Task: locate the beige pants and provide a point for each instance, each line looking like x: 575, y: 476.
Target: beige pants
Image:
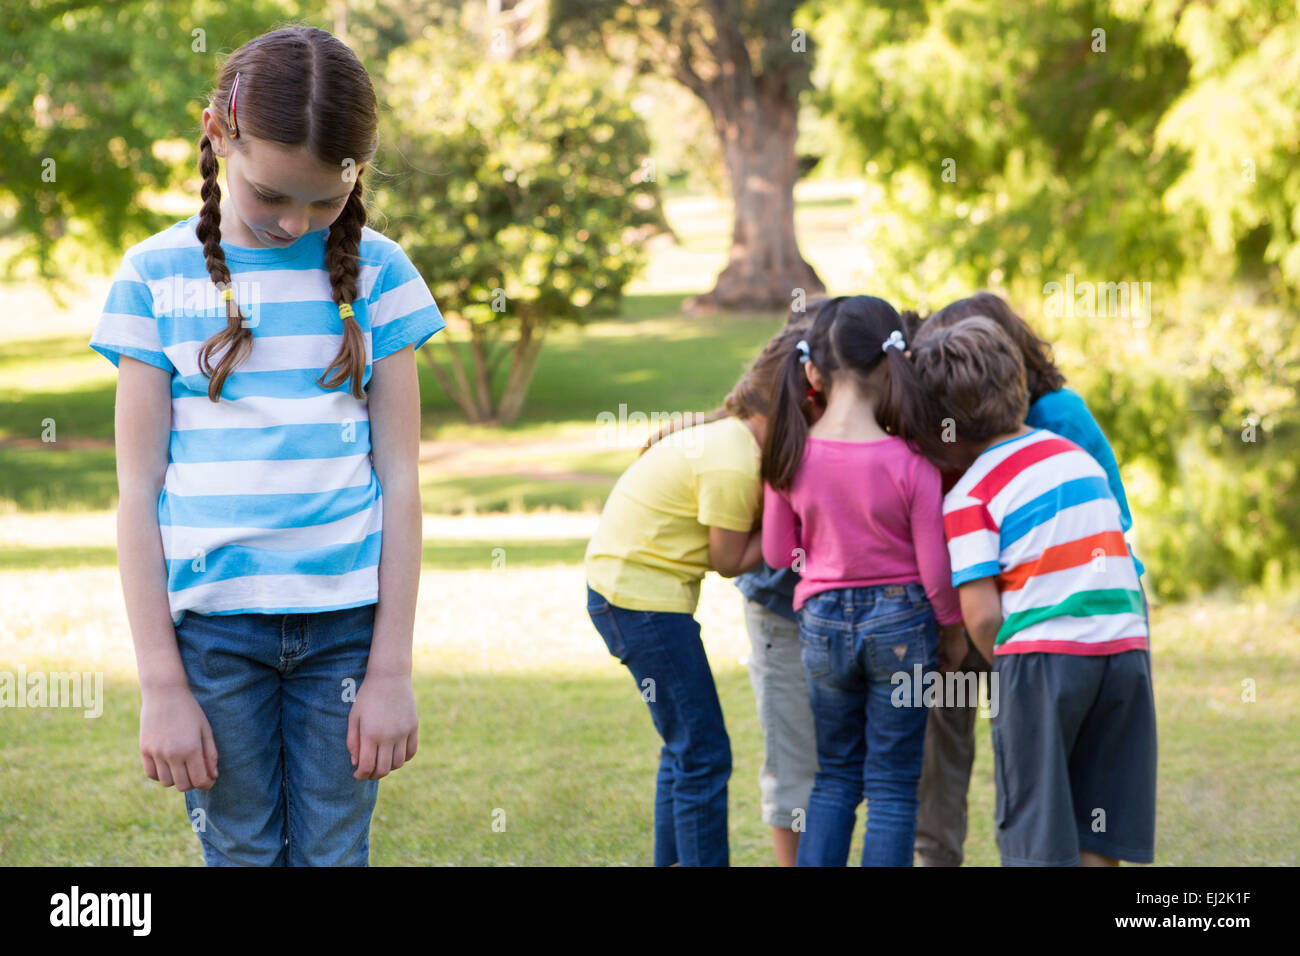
x: 784, y: 713
x: 945, y: 777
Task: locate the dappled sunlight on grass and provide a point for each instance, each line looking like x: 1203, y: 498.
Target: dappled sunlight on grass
x: 31, y: 312
x: 517, y: 619
x: 513, y: 682
x: 830, y: 226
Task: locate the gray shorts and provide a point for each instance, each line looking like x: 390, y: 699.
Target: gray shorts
x: 789, y: 739
x: 1074, y: 758
x: 946, y: 772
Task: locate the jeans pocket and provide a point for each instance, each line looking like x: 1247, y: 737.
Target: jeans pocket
x: 824, y: 605
x: 821, y: 621
x: 814, y: 651
x: 596, y: 603
x: 903, y: 648
x: 602, y: 616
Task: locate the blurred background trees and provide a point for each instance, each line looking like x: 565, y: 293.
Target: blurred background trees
x: 1106, y: 143
x: 748, y: 63
x: 99, y: 103
x: 1110, y: 146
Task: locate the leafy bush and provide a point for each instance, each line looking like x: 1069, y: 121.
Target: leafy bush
x: 520, y: 191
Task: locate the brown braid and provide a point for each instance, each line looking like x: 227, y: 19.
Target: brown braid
x: 235, y: 336
x: 342, y: 254
x: 299, y: 87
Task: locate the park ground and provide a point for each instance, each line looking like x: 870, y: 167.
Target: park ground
x: 522, y: 709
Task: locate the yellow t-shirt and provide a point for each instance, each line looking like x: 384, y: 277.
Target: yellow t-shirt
x: 651, y: 549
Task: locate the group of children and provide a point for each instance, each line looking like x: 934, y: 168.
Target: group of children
x: 894, y: 497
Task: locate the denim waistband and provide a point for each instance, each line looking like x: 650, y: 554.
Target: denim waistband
x: 870, y: 594
x: 285, y: 619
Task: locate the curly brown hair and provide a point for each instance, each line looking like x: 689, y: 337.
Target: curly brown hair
x: 975, y: 376
x: 299, y: 87
x: 1041, y: 374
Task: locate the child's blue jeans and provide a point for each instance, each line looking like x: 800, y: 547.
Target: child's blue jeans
x: 667, y: 660
x: 854, y: 642
x: 277, y: 690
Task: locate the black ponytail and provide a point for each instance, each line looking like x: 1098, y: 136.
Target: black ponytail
x: 787, y: 423
x: 908, y: 411
x: 847, y: 336
x: 787, y: 429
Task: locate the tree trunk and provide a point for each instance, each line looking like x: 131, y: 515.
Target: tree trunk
x: 523, y: 363
x: 455, y: 384
x: 471, y: 388
x: 765, y: 268
x: 479, y: 346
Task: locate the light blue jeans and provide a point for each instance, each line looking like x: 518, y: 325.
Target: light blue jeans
x: 277, y: 690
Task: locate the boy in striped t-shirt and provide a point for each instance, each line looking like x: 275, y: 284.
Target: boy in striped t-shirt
x: 1050, y: 595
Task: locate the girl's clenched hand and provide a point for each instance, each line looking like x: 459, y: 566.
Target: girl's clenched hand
x: 176, y: 741
x: 383, y: 728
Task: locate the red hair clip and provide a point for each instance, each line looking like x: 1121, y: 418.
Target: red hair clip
x: 234, y: 91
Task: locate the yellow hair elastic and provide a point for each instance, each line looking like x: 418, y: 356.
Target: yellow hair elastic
x: 345, y: 311
x: 227, y: 294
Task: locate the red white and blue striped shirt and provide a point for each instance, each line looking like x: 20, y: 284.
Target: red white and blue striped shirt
x: 1036, y: 513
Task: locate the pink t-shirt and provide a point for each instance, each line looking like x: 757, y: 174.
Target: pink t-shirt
x: 863, y: 513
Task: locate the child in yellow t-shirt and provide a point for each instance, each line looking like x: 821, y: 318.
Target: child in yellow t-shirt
x: 691, y: 503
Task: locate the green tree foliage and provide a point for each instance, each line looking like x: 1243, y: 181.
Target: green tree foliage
x: 1072, y: 153
x: 517, y: 188
x: 88, y: 91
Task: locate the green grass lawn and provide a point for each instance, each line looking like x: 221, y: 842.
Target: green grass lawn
x: 569, y: 754
x: 440, y: 554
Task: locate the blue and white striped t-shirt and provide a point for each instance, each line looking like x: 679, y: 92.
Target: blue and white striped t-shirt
x: 270, y: 502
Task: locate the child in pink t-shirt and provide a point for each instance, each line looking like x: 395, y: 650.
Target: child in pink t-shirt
x: 854, y: 506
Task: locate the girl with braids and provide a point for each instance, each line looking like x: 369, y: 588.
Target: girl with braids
x: 853, y: 504
x: 689, y: 504
x: 267, y: 431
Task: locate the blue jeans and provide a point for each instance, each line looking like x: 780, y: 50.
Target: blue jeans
x: 854, y: 641
x: 277, y: 689
x: 664, y: 652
